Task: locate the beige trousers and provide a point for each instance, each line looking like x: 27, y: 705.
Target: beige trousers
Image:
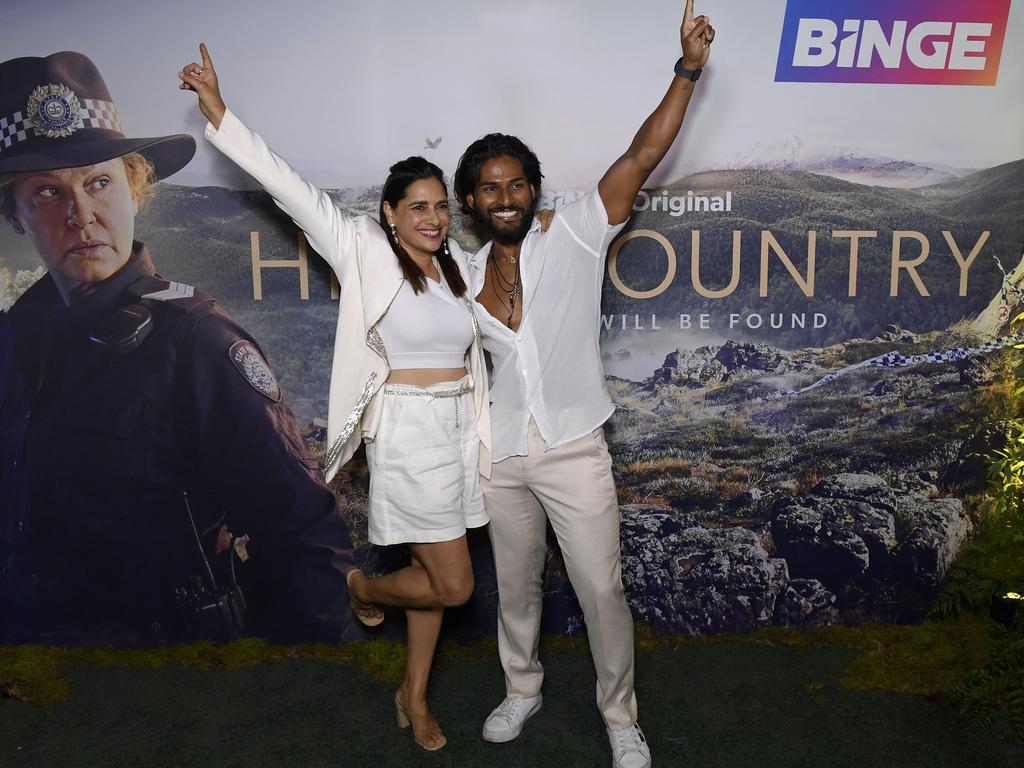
x: 572, y: 487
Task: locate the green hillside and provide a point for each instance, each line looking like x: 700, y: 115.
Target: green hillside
x: 202, y: 236
x: 791, y: 204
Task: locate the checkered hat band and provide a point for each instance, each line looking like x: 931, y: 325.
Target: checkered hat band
x: 99, y: 114
x: 94, y: 113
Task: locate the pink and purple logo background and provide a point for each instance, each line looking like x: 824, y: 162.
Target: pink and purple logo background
x: 886, y: 12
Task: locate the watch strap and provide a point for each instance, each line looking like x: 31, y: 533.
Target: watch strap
x: 686, y: 74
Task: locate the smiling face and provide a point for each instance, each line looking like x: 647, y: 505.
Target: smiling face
x: 81, y: 220
x: 421, y: 218
x: 503, y: 201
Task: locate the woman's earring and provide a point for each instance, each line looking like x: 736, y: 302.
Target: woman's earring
x: 446, y: 253
x: 394, y: 232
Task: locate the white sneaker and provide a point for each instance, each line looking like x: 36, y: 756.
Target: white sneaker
x: 506, y: 721
x: 629, y: 748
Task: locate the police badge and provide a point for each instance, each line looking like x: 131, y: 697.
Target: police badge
x: 254, y: 369
x: 53, y: 110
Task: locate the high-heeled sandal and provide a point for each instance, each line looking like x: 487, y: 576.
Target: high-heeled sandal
x: 370, y: 615
x: 404, y: 721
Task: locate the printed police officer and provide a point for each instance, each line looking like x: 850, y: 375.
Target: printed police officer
x: 140, y: 427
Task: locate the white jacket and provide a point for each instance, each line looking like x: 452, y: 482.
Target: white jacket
x: 369, y: 276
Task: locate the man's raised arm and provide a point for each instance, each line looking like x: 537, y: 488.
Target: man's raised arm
x: 621, y: 182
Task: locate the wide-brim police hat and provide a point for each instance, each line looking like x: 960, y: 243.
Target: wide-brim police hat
x: 56, y: 112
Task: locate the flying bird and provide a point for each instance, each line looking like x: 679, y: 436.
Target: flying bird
x: 432, y: 143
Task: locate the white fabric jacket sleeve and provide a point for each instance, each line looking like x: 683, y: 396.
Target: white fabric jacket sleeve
x: 331, y: 232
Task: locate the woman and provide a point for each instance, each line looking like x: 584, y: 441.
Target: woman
x: 134, y: 415
x: 399, y: 380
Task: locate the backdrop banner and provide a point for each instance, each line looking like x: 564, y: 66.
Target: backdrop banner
x: 804, y: 323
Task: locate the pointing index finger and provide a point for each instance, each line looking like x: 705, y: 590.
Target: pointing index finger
x: 207, y: 61
x: 688, y: 12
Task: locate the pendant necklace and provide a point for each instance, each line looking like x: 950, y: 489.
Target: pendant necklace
x: 510, y: 288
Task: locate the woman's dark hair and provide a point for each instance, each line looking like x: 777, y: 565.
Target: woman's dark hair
x: 403, y: 173
x: 490, y: 146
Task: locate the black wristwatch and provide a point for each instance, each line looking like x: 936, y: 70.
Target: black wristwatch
x: 687, y: 74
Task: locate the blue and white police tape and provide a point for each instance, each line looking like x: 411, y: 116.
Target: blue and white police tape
x: 899, y: 360
x: 1007, y: 283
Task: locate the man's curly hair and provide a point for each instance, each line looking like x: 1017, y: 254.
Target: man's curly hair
x: 490, y: 146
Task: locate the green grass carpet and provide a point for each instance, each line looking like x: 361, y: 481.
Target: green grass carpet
x: 728, y: 705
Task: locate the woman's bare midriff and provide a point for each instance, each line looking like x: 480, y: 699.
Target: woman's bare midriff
x: 424, y: 377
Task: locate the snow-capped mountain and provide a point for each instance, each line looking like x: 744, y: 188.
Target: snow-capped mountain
x: 848, y: 163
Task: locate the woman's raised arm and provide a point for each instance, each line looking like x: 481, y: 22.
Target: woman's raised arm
x: 331, y: 232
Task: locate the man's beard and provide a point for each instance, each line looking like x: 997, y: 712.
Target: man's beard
x: 505, y: 236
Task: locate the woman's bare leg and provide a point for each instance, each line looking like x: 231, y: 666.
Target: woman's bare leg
x: 440, y: 576
x: 423, y: 629
x: 446, y: 565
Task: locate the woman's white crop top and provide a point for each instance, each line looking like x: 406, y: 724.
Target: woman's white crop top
x: 430, y: 330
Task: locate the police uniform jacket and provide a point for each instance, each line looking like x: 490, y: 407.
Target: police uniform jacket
x: 96, y: 447
x: 369, y: 276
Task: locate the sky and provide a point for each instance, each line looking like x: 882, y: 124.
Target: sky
x: 343, y: 88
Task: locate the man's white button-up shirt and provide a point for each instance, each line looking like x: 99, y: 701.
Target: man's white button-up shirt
x: 551, y: 368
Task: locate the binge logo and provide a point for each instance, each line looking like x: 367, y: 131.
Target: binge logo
x: 933, y: 42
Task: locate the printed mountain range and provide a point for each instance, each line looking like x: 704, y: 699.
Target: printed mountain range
x: 201, y: 235
x: 789, y: 204
x: 848, y: 163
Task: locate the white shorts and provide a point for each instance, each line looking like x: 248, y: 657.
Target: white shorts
x: 424, y: 476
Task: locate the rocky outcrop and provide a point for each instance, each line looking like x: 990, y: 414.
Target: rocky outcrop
x: 710, y: 365
x: 806, y: 603
x: 931, y: 533
x: 862, y: 538
x: 853, y: 547
x: 898, y: 335
x: 692, y: 580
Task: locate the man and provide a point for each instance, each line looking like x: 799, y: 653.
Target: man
x: 541, y: 299
x: 140, y: 427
